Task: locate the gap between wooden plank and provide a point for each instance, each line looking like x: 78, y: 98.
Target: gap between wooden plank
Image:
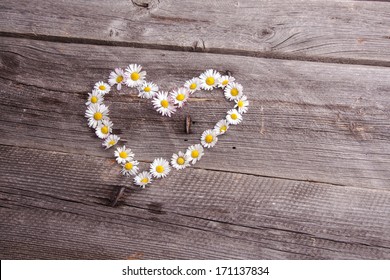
x: 225, y: 51
x: 345, y: 29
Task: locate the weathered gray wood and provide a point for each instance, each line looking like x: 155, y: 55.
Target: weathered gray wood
x: 307, y: 121
x: 53, y: 205
x: 338, y: 31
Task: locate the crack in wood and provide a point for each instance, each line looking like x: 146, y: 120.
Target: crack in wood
x: 146, y: 4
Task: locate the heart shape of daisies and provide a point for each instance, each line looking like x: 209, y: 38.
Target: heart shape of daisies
x: 165, y: 103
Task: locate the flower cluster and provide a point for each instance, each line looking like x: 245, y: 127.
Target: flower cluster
x: 165, y: 103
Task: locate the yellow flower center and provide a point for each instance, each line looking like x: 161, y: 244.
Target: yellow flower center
x: 128, y: 166
x: 164, y: 103
x: 234, y: 91
x: 104, y: 129
x: 111, y: 143
x: 102, y: 87
x: 234, y: 116
x: 193, y: 86
x: 160, y: 169
x: 240, y: 104
x: 180, y: 161
x: 147, y: 89
x: 98, y: 116
x: 119, y: 79
x: 94, y: 99
x: 225, y: 82
x: 180, y: 97
x: 134, y: 76
x: 209, y: 138
x: 223, y: 128
x: 210, y: 81
x: 123, y: 154
x: 194, y: 154
x: 145, y: 180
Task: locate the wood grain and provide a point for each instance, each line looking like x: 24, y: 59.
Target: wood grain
x: 307, y: 122
x: 305, y: 176
x: 53, y: 205
x: 330, y: 31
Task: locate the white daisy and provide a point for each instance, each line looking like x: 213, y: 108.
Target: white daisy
x: 209, y: 138
x: 147, y: 90
x: 104, y: 129
x: 163, y: 104
x: 160, y: 168
x: 94, y: 98
x: 225, y: 80
x: 242, y: 104
x: 233, y: 117
x: 130, y: 168
x: 123, y: 155
x: 102, y: 87
x: 180, y: 96
x: 233, y: 91
x: 195, y: 152
x: 193, y: 85
x: 95, y: 114
x: 180, y: 160
x: 142, y: 179
x: 110, y: 141
x: 134, y: 76
x: 117, y: 77
x: 221, y: 127
x: 209, y: 79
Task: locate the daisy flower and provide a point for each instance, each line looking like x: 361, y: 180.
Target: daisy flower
x: 192, y: 85
x: 102, y: 88
x: 180, y: 96
x: 160, y: 168
x: 95, y: 114
x: 130, y: 168
x: 233, y: 117
x: 134, y: 76
x: 225, y: 80
x: 209, y: 79
x: 233, y: 91
x: 147, y: 90
x: 110, y: 141
x: 94, y: 98
x: 209, y: 138
x: 221, y: 127
x: 123, y: 155
x: 104, y: 129
x: 180, y: 161
x: 142, y: 179
x: 162, y: 104
x: 117, y: 78
x: 242, y: 104
x: 194, y: 153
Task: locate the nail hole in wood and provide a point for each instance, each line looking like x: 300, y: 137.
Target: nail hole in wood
x: 188, y: 124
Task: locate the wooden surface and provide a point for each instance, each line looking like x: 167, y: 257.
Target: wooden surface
x: 306, y: 175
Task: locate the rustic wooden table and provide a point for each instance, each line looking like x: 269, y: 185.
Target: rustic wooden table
x: 306, y: 175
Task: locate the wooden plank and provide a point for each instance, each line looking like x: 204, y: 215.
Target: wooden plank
x: 335, y: 31
x: 307, y: 121
x: 53, y: 206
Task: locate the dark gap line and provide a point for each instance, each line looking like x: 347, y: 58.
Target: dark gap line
x: 245, y: 53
